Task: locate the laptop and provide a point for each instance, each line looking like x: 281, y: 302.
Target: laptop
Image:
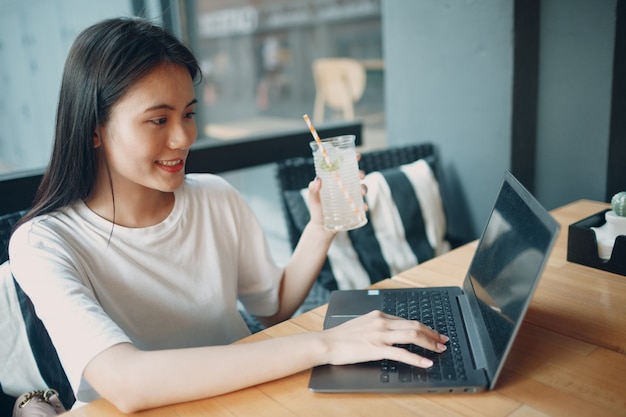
x: 481, y: 318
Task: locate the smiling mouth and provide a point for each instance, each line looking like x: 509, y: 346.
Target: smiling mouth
x: 170, y: 163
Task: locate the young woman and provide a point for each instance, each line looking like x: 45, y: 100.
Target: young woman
x: 136, y: 268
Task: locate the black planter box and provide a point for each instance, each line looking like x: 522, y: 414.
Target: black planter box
x: 582, y: 246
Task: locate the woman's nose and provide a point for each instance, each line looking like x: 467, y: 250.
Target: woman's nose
x: 183, y: 136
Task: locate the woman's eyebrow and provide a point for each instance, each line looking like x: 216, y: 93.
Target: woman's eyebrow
x: 168, y: 106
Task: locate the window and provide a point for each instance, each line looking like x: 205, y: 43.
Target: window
x: 256, y: 58
x: 35, y: 37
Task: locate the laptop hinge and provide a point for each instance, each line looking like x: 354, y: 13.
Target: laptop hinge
x: 471, y: 331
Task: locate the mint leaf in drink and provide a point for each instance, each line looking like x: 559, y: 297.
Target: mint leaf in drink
x: 334, y: 166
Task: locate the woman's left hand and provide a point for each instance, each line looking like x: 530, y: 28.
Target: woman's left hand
x: 315, y: 204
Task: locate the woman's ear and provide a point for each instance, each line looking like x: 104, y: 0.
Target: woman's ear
x: 96, y: 140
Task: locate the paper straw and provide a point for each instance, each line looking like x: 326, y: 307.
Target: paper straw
x: 328, y: 162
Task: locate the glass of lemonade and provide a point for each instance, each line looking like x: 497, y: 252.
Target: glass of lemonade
x: 342, y: 201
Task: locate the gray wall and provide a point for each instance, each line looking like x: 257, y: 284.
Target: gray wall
x: 575, y: 78
x: 449, y: 81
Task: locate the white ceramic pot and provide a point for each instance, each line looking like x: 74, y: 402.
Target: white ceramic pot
x: 615, y: 225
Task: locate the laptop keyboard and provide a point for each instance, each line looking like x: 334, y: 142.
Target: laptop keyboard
x: 433, y: 309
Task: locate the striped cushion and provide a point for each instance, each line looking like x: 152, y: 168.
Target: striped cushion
x: 406, y: 226
x: 28, y: 360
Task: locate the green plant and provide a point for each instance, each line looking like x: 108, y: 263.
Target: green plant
x: 618, y: 203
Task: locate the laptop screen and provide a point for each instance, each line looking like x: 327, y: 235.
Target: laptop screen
x: 507, y: 265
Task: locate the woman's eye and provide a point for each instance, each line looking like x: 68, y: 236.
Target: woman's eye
x: 159, y: 121
x: 190, y: 114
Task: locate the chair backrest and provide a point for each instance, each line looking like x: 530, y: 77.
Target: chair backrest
x: 35, y: 360
x: 296, y: 173
x: 340, y: 270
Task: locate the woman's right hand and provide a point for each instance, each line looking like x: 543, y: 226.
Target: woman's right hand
x: 373, y: 336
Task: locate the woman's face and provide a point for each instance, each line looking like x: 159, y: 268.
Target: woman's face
x: 147, y: 138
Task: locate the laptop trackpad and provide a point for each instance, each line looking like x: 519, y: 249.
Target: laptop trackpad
x: 348, y: 304
x: 333, y: 321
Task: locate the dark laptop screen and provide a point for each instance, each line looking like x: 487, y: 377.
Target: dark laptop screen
x: 508, y: 261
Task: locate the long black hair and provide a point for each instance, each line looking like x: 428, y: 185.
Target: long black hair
x: 105, y: 60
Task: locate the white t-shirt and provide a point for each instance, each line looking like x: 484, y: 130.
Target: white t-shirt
x: 171, y: 285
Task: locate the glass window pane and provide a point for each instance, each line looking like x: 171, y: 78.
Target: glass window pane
x: 257, y: 59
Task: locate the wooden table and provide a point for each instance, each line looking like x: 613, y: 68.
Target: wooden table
x: 569, y: 358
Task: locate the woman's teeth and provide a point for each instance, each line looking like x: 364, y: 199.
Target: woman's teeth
x: 169, y: 163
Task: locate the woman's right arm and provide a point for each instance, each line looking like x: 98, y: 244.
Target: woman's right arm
x: 134, y: 380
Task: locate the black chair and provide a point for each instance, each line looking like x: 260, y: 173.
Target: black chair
x: 7, y: 222
x: 296, y: 173
x: 43, y: 351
